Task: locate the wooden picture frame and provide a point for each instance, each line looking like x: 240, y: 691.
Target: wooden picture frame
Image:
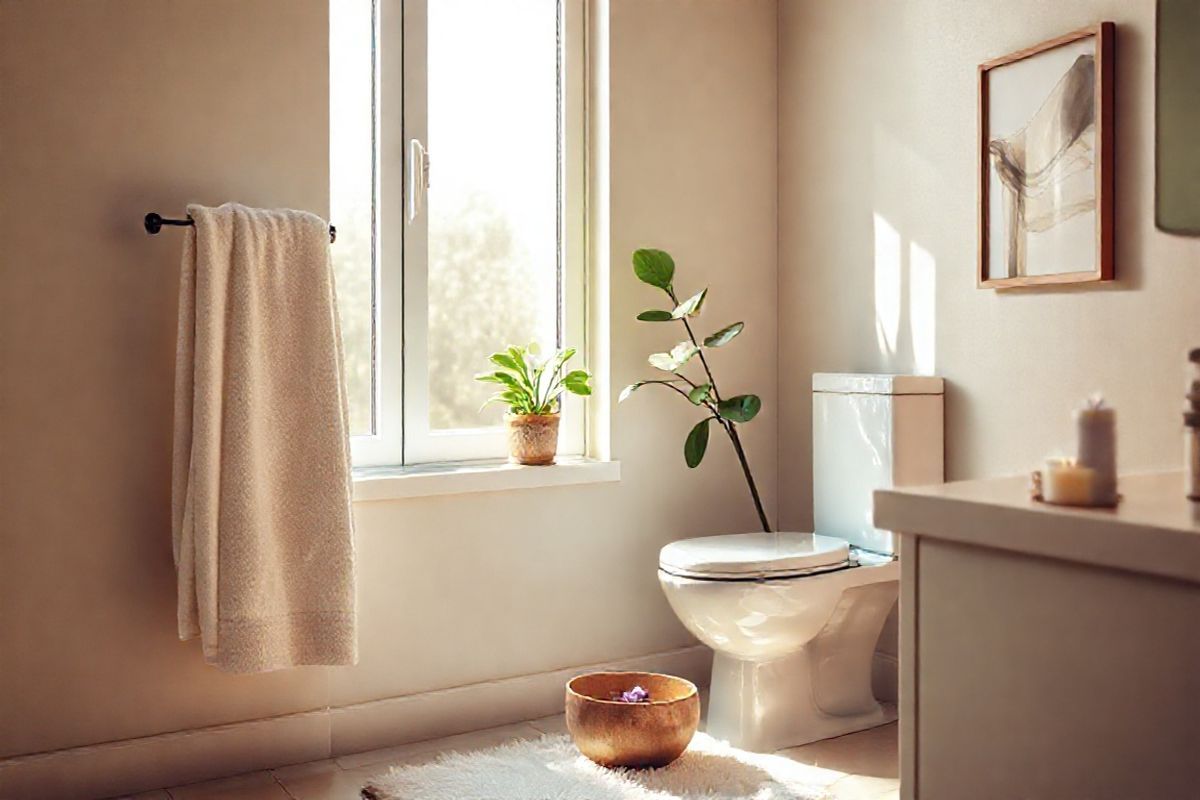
x: 1045, y: 207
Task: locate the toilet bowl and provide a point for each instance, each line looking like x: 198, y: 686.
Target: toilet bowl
x: 793, y: 618
x: 792, y: 646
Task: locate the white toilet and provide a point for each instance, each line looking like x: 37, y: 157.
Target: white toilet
x: 793, y: 618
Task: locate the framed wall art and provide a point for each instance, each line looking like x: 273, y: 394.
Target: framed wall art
x: 1046, y: 162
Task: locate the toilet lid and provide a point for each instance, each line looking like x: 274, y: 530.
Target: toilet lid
x: 752, y: 555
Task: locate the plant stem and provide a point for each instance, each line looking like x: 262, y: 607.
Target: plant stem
x: 708, y: 403
x: 672, y: 387
x: 731, y: 431
x: 741, y: 454
x: 730, y: 428
x: 699, y: 350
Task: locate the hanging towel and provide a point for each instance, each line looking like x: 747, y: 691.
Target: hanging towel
x: 263, y: 531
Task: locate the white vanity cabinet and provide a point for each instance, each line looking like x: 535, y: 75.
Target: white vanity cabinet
x: 1047, y: 653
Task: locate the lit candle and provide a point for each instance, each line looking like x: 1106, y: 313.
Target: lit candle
x: 1097, y: 430
x: 1066, y: 483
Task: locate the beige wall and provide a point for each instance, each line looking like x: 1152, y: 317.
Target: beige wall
x: 111, y: 109
x: 878, y: 118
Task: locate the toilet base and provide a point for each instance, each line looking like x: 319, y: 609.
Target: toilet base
x: 764, y: 706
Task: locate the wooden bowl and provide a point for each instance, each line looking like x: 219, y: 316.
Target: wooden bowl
x: 617, y: 734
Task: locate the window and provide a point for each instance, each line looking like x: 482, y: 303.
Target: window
x: 456, y: 157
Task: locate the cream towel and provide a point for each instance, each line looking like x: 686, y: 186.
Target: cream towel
x: 263, y: 535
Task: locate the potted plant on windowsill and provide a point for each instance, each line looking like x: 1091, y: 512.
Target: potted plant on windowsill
x: 533, y: 390
x: 656, y: 268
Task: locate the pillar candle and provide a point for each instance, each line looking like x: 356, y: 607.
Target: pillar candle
x: 1097, y: 429
x: 1066, y: 483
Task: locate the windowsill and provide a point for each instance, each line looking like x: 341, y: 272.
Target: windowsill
x: 422, y: 480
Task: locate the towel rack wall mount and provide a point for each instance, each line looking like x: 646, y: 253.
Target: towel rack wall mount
x: 154, y: 223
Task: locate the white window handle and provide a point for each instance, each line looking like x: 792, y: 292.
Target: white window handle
x: 418, y: 177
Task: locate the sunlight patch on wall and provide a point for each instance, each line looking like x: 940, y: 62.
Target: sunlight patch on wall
x: 922, y: 307
x: 887, y: 285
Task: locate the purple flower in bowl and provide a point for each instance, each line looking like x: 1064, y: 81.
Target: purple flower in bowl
x: 635, y: 695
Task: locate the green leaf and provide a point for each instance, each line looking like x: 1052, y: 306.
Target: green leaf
x: 576, y: 382
x: 499, y: 377
x: 517, y: 354
x: 628, y: 390
x: 699, y: 394
x: 725, y: 335
x: 683, y: 352
x: 680, y: 354
x: 513, y: 399
x: 662, y: 361
x: 576, y: 376
x: 521, y: 367
x: 505, y: 360
x: 655, y: 315
x: 696, y: 444
x: 742, y: 408
x: 654, y: 267
x: 690, y: 307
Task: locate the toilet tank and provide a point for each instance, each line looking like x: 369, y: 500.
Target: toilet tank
x: 871, y: 432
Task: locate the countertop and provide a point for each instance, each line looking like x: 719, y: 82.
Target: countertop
x: 1155, y: 530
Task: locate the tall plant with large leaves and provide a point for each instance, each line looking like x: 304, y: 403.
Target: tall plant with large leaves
x: 656, y: 268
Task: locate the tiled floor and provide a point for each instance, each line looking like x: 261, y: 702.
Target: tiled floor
x: 861, y: 766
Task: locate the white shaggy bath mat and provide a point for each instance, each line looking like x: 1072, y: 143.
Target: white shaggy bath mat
x: 551, y: 768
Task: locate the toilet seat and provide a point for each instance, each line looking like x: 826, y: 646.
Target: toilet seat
x: 754, y: 556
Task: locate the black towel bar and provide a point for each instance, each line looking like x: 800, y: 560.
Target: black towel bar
x: 154, y: 224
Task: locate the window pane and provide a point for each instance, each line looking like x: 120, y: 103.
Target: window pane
x: 351, y: 170
x: 493, y: 196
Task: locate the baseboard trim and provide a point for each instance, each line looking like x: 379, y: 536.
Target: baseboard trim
x: 399, y: 720
x: 151, y: 762
x: 171, y: 759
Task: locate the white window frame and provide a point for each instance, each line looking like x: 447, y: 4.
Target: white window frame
x: 402, y: 434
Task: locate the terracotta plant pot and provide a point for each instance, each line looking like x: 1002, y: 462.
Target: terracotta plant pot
x: 617, y: 734
x: 532, y: 438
